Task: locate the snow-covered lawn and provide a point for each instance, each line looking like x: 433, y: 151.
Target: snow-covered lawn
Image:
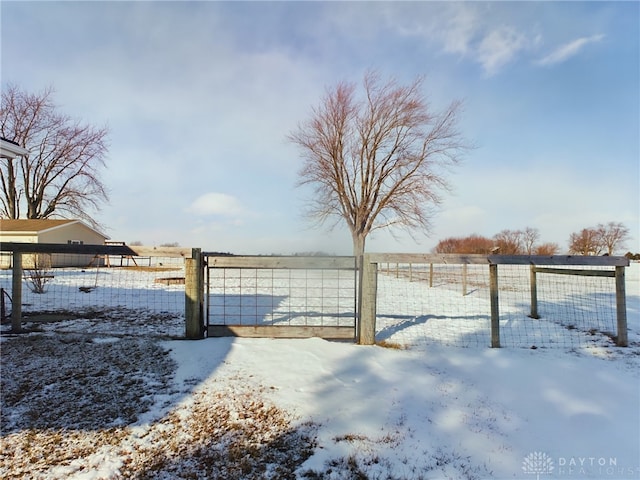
x: 112, y: 396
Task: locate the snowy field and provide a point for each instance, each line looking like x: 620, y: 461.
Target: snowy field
x: 111, y: 393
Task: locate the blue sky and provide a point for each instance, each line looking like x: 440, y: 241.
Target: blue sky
x: 199, y: 98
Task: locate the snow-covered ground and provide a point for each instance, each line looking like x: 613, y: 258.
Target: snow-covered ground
x: 112, y: 396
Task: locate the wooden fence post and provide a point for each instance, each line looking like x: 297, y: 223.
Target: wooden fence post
x: 495, y: 314
x: 368, y: 289
x: 16, y: 293
x: 534, y: 291
x: 194, y: 296
x: 621, y: 308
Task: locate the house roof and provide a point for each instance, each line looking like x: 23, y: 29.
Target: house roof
x: 10, y: 149
x: 38, y: 226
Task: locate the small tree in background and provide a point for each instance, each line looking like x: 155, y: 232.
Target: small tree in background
x: 509, y: 242
x: 377, y: 160
x: 612, y: 236
x: 39, y: 274
x: 530, y: 237
x: 585, y: 242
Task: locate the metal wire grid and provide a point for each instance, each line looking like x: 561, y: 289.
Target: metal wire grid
x: 574, y: 311
x: 149, y: 293
x: 281, y: 296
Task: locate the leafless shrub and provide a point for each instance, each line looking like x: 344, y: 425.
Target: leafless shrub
x: 40, y: 274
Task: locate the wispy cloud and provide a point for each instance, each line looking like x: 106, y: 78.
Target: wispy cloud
x: 499, y: 47
x: 473, y: 31
x: 568, y: 50
x: 460, y: 27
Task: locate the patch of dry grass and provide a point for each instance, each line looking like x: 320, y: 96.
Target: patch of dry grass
x: 72, y: 404
x: 237, y: 437
x: 391, y: 345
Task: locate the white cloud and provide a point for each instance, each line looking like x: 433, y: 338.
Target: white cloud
x: 477, y: 32
x: 499, y: 47
x: 461, y: 27
x: 568, y: 50
x: 214, y: 203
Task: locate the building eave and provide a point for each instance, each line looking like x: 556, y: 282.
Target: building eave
x: 9, y: 149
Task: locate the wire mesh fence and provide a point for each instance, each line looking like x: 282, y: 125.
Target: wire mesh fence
x: 450, y: 304
x: 293, y: 297
x: 275, y: 296
x: 105, y: 294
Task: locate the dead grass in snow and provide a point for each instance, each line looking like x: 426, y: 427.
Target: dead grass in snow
x: 70, y: 404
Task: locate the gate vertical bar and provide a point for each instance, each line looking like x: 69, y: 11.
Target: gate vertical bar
x: 207, y: 292
x: 621, y: 308
x: 2, y: 310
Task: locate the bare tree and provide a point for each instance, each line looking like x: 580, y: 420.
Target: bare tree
x: 548, y: 248
x: 40, y: 273
x: 530, y: 237
x: 61, y: 174
x: 377, y: 161
x: 600, y: 239
x: 509, y: 242
x: 585, y: 242
x: 612, y: 236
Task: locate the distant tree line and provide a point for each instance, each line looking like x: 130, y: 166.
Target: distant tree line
x: 600, y: 240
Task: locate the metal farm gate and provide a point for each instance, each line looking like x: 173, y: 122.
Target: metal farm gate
x: 273, y: 296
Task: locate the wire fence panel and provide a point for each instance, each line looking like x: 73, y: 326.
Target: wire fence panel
x: 411, y: 312
x: 281, y: 297
x: 574, y: 311
x: 450, y: 305
x: 82, y: 295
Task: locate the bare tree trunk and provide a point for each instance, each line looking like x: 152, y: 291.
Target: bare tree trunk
x: 10, y: 205
x: 358, y: 244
